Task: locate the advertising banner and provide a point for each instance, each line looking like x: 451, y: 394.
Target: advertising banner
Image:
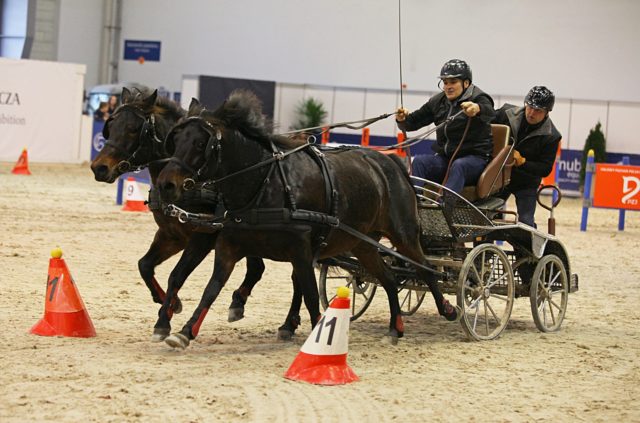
x: 41, y: 110
x: 617, y: 187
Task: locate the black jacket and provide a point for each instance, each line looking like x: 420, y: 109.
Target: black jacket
x: 538, y: 147
x: 478, y: 140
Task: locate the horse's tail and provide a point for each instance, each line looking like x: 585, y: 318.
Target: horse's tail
x: 401, y: 165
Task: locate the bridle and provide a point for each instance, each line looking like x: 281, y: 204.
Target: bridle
x: 147, y: 133
x: 213, y: 145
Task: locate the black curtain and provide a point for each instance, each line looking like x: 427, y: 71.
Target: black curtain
x: 214, y: 90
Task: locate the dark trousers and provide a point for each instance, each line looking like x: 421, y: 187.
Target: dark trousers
x: 525, y: 203
x: 464, y: 170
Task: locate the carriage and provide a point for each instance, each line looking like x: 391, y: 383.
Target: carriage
x: 479, y: 252
x: 300, y: 210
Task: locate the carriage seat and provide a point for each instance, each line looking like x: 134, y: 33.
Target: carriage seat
x: 497, y: 174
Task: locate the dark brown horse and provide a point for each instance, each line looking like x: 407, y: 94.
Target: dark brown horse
x: 135, y: 139
x: 288, y: 202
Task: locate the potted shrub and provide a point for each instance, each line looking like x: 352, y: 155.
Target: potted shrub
x: 596, y: 142
x: 309, y: 113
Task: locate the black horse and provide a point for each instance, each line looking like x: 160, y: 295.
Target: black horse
x: 287, y: 201
x: 135, y: 136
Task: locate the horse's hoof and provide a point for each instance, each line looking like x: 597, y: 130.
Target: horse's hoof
x: 451, y: 313
x: 159, y: 334
x: 177, y: 306
x: 285, y: 335
x: 177, y: 340
x: 235, y: 314
x: 391, y: 339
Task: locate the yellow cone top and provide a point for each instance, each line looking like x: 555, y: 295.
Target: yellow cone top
x: 56, y: 253
x: 343, y: 292
x: 591, y: 153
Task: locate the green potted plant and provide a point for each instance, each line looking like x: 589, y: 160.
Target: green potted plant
x: 309, y: 113
x: 596, y: 142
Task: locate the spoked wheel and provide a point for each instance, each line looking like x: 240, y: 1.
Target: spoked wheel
x: 410, y: 299
x: 486, y: 290
x: 549, y: 293
x: 333, y: 277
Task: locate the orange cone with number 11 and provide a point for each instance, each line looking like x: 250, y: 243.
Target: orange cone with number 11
x: 64, y: 310
x: 322, y: 360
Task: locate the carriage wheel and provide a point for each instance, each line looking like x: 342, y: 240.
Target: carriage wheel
x: 410, y: 299
x: 486, y: 292
x: 362, y: 291
x: 549, y: 293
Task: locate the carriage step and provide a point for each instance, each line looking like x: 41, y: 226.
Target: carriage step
x: 573, y: 283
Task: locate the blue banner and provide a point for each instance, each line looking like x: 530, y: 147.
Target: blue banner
x: 137, y: 49
x: 97, y: 140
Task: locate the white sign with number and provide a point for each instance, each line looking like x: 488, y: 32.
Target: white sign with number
x: 330, y: 336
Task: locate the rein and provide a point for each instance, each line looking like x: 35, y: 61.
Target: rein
x: 277, y: 156
x: 249, y: 213
x: 349, y: 125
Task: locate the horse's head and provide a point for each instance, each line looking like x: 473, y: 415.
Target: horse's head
x: 194, y: 144
x: 134, y: 137
x: 207, y: 144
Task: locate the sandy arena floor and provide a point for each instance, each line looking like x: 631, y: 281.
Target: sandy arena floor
x: 589, y: 371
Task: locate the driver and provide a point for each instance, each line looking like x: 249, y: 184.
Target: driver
x: 536, y: 141
x: 462, y: 152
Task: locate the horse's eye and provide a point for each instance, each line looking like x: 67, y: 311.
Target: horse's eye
x: 201, y: 144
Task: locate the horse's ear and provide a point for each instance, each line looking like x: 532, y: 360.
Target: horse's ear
x: 126, y: 95
x: 194, y: 107
x: 151, y: 100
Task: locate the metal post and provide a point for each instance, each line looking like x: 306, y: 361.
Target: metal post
x: 587, y: 198
x: 554, y: 195
x: 626, y: 162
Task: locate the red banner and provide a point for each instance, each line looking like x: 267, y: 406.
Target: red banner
x: 617, y: 187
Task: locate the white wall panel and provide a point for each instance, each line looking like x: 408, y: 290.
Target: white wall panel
x: 584, y: 117
x: 349, y: 106
x: 560, y: 115
x: 342, y: 43
x: 288, y: 96
x: 190, y: 89
x: 622, y: 131
x: 379, y: 103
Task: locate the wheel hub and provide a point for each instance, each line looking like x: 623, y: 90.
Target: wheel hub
x: 486, y: 293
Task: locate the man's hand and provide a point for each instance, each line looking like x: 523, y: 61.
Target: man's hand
x: 518, y: 158
x: 470, y: 108
x: 401, y: 114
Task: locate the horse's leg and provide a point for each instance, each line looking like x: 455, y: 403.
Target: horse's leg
x: 291, y: 323
x: 162, y: 247
x: 373, y: 263
x: 197, y: 249
x: 414, y: 252
x: 304, y: 286
x: 223, y: 266
x: 255, y: 269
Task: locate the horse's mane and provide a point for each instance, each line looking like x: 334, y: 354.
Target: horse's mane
x: 162, y: 106
x: 243, y: 111
x: 170, y: 107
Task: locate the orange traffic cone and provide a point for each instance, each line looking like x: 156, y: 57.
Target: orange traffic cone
x: 22, y: 165
x: 134, y: 200
x: 322, y: 360
x: 64, y: 310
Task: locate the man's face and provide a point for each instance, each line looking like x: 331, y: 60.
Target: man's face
x: 452, y: 88
x: 533, y: 115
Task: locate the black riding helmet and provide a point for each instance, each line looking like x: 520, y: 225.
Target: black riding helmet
x: 456, y: 68
x: 540, y: 97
